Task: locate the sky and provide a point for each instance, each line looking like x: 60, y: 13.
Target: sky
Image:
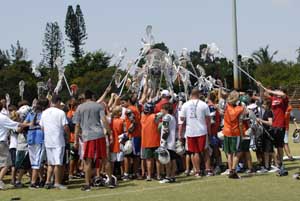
x: 115, y: 24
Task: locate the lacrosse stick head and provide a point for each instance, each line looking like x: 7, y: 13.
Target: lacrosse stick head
x: 21, y: 87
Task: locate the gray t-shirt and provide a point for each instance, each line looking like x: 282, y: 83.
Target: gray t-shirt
x: 89, y: 115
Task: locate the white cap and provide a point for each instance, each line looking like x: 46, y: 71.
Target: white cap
x: 165, y: 92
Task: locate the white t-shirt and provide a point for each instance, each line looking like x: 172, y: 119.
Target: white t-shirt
x: 5, y: 124
x: 195, y: 111
x: 53, y: 121
x: 13, y: 140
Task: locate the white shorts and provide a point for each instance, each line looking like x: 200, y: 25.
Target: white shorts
x: 36, y: 155
x: 116, y: 157
x: 55, y: 155
x: 286, y: 137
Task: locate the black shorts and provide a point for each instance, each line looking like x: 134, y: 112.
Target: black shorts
x: 278, y: 135
x: 22, y: 160
x: 173, y: 155
x: 244, y: 146
x: 268, y: 142
x: 13, y: 155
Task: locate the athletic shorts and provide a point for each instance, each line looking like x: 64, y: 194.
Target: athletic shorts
x: 22, y: 160
x: 286, y: 137
x: 278, y: 134
x: 149, y: 153
x: 196, y: 144
x: 267, y: 144
x: 231, y: 144
x: 5, y: 158
x: 95, y: 149
x: 13, y: 155
x: 244, y: 145
x: 55, y: 155
x: 136, y: 149
x: 117, y: 157
x: 173, y: 155
x: 36, y: 155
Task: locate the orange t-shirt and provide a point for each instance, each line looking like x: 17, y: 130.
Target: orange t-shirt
x: 287, y: 117
x: 137, y: 116
x: 150, y: 134
x: 117, y: 127
x: 70, y: 115
x: 231, y: 120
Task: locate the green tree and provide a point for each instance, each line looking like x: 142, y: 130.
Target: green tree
x: 263, y: 55
x: 53, y: 44
x: 4, y: 58
x: 91, y: 61
x: 18, y: 52
x: 298, y: 57
x: 75, y: 31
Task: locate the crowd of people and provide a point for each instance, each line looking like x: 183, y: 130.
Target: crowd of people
x: 151, y: 137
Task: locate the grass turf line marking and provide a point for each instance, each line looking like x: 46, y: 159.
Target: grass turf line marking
x: 141, y: 190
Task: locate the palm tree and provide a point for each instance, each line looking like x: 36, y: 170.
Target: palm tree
x: 263, y: 56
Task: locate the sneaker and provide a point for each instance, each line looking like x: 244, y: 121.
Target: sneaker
x: 33, y: 186
x: 148, y: 178
x: 274, y: 169
x: 249, y: 171
x: 226, y: 172
x: 187, y: 173
x: 296, y: 176
x: 233, y: 175
x: 2, y: 185
x: 172, y: 180
x: 86, y: 188
x: 290, y: 158
x: 217, y: 170
x: 262, y: 170
x: 48, y: 186
x: 165, y: 181
x: 60, y: 186
x: 19, y: 185
x: 209, y: 173
x: 198, y: 175
x: 125, y: 178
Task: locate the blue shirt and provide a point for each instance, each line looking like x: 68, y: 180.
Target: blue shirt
x: 35, y: 134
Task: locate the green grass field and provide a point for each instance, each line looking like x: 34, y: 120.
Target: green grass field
x: 267, y: 187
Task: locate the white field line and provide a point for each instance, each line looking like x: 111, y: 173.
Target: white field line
x: 160, y: 186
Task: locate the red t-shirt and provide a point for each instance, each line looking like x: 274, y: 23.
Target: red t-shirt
x: 279, y: 106
x: 159, y: 105
x: 215, y: 127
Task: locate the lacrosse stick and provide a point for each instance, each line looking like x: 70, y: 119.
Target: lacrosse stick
x: 35, y: 71
x: 117, y: 64
x: 61, y: 76
x: 21, y: 88
x: 40, y: 87
x: 7, y: 98
x: 123, y: 82
x: 147, y: 44
x: 213, y: 49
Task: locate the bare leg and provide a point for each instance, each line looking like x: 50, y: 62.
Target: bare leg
x: 49, y: 174
x: 58, y: 172
x: 88, y: 170
x: 149, y: 163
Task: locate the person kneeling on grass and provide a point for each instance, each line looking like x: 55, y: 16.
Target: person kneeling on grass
x: 168, y: 141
